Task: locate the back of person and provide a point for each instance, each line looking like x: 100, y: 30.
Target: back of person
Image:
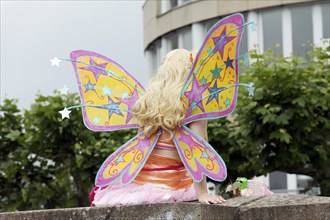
x: 163, y: 177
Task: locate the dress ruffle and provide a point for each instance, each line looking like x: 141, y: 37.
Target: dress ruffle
x: 131, y: 194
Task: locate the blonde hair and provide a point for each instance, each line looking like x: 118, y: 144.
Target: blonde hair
x: 160, y: 106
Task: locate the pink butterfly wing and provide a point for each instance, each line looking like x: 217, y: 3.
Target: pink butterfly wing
x: 198, y: 156
x: 107, y: 91
x: 127, y: 161
x: 210, y: 89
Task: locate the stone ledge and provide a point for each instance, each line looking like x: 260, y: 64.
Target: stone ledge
x: 279, y: 206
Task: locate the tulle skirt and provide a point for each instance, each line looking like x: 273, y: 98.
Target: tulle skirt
x: 162, y: 179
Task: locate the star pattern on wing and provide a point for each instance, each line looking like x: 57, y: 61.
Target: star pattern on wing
x: 216, y: 72
x: 89, y: 86
x: 227, y: 102
x: 120, y: 159
x: 229, y: 63
x: 221, y: 41
x: 210, y: 50
x: 195, y: 94
x: 95, y: 68
x: 203, y: 81
x: 96, y: 120
x: 112, y: 107
x: 214, y: 93
x: 124, y: 95
x: 106, y: 90
x: 130, y: 101
x: 205, y: 155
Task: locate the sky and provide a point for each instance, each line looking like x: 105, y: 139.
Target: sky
x: 33, y: 32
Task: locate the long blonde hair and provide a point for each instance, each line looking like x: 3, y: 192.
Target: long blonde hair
x: 160, y: 106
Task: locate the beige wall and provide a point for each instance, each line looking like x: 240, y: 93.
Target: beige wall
x: 157, y: 24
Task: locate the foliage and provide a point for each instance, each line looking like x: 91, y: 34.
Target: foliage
x: 286, y: 125
x: 48, y: 162
x: 11, y: 130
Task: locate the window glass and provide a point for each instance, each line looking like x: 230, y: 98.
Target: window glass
x: 209, y: 23
x: 243, y: 49
x: 277, y: 180
x: 243, y: 46
x: 173, y: 41
x: 272, y: 29
x: 155, y: 51
x: 185, y: 1
x: 326, y: 19
x: 304, y: 181
x: 186, y: 38
x: 302, y: 29
x: 173, y: 3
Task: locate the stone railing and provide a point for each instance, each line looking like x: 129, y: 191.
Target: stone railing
x: 279, y: 206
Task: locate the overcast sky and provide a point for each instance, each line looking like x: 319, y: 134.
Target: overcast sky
x: 32, y: 32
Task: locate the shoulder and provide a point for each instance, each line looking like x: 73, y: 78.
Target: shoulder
x: 200, y: 125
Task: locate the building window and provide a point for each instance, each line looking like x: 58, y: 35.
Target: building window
x: 173, y: 3
x: 209, y: 24
x: 185, y: 1
x: 179, y: 39
x: 278, y: 181
x: 302, y: 29
x: 326, y: 19
x: 155, y: 58
x: 272, y: 29
x: 243, y: 48
x: 167, y: 5
x: 186, y: 40
x: 173, y: 41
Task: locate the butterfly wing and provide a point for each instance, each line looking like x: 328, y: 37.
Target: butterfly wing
x: 107, y: 91
x: 127, y: 161
x: 198, y: 156
x: 210, y: 90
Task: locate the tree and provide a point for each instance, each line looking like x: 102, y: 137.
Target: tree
x: 11, y: 155
x: 55, y: 160
x: 286, y: 125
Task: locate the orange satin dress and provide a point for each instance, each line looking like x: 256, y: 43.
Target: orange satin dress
x: 163, y: 171
x: 162, y: 179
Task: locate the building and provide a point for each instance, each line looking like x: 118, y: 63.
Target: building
x: 284, y: 25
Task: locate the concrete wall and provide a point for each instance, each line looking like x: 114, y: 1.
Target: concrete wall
x: 157, y: 24
x: 280, y: 206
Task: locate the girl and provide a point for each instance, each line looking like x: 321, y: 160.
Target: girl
x: 163, y: 177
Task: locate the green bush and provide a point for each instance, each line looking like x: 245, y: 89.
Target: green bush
x: 285, y: 126
x: 47, y: 162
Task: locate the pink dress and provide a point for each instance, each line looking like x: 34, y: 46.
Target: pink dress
x: 162, y: 179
